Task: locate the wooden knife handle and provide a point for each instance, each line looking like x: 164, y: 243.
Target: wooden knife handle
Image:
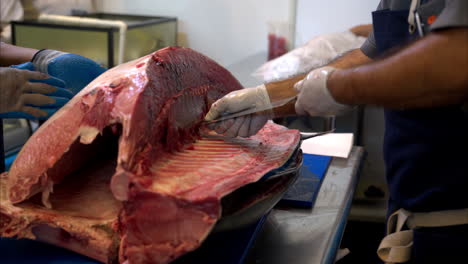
x: 281, y: 90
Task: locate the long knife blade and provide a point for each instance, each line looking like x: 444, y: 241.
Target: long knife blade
x: 253, y: 110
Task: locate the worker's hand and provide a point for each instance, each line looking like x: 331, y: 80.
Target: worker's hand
x: 314, y: 98
x: 75, y: 70
x: 28, y: 94
x: 236, y: 101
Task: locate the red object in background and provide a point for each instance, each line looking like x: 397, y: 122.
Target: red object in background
x: 276, y: 46
x: 431, y: 19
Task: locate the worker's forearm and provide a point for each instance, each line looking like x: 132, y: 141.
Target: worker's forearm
x: 430, y: 72
x: 12, y: 55
x: 362, y: 30
x: 281, y: 90
x: 350, y: 59
x: 285, y: 88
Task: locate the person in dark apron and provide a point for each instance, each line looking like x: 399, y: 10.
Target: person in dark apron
x: 426, y: 137
x: 425, y: 150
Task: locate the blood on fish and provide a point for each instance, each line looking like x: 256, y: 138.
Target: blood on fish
x: 191, y: 147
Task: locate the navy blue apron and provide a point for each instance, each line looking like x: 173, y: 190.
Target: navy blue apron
x: 426, y: 157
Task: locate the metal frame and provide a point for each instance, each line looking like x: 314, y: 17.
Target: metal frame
x: 110, y: 30
x: 149, y: 20
x: 2, y: 148
x: 359, y: 126
x: 110, y: 49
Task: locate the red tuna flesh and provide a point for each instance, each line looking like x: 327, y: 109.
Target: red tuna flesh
x: 121, y: 172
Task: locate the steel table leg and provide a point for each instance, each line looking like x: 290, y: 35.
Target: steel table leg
x: 2, y: 148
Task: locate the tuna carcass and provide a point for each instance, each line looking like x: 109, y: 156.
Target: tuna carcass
x: 121, y: 173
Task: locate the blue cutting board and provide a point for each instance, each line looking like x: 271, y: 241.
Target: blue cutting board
x: 304, y: 191
x: 226, y: 248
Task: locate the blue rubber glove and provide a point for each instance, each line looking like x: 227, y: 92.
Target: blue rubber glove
x: 21, y: 84
x: 77, y: 71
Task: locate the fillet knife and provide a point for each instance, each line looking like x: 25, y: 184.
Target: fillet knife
x: 252, y: 110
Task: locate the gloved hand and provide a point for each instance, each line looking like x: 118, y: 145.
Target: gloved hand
x: 75, y: 70
x: 236, y: 101
x: 23, y: 94
x: 314, y: 98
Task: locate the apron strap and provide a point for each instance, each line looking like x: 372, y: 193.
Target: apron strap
x: 397, y: 220
x: 438, y: 218
x: 411, y: 18
x: 396, y: 246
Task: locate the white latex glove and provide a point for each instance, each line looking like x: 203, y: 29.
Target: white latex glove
x: 17, y: 93
x: 236, y: 101
x: 314, y: 98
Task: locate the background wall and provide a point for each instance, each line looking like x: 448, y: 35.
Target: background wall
x: 225, y: 30
x: 316, y: 17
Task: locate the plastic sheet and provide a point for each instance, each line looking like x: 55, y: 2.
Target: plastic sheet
x: 315, y: 53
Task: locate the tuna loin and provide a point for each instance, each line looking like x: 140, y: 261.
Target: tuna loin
x: 121, y: 172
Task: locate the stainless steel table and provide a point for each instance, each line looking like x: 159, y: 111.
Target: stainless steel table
x: 301, y: 236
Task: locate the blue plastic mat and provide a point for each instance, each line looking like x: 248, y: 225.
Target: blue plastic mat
x: 9, y: 161
x: 305, y: 189
x: 226, y: 248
